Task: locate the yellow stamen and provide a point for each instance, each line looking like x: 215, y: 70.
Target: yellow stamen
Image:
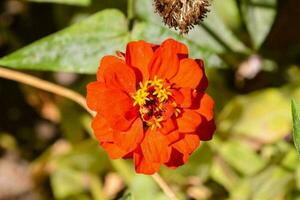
x: 157, y: 82
x: 156, y: 123
x: 161, y: 92
x: 141, y: 96
x: 150, y: 97
x: 177, y: 110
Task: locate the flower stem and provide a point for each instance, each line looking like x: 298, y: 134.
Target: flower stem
x: 96, y: 188
x: 164, y: 186
x: 44, y: 85
x: 74, y: 96
x: 130, y: 9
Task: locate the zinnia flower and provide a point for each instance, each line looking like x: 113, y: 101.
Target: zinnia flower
x: 151, y: 105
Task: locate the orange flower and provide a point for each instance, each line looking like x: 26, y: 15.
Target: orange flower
x: 151, y: 105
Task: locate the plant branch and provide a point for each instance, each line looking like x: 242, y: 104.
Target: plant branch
x: 74, y: 96
x: 44, y: 85
x: 164, y: 186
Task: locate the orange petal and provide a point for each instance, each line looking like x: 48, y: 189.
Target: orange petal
x: 187, y: 97
x: 116, y: 74
x: 128, y: 156
x: 189, y: 74
x: 177, y: 159
x: 188, y: 121
x: 116, y: 107
x: 168, y: 126
x: 178, y: 96
x: 169, y: 110
x: 113, y: 150
x: 204, y: 82
x: 178, y: 47
x: 205, y: 105
x: 155, y: 147
x: 166, y: 58
x: 107, y: 62
x: 94, y: 91
x: 187, y: 145
x: 139, y: 55
x: 143, y: 166
x: 206, y: 129
x: 102, y: 130
x: 130, y: 139
x: 174, y: 136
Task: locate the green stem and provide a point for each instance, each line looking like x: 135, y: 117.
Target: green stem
x: 130, y: 9
x: 96, y: 188
x: 123, y: 169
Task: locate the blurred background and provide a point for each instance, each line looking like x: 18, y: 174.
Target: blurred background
x: 252, y: 53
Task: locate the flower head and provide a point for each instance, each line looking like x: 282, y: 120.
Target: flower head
x: 182, y: 14
x: 151, y: 105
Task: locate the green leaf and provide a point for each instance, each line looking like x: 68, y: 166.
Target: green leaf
x: 224, y: 174
x: 263, y: 115
x: 144, y: 9
x: 96, y: 188
x: 77, y: 48
x: 8, y: 142
x: 214, y: 36
x: 156, y: 34
x: 220, y: 33
x: 240, y: 155
x: 271, y: 184
x: 70, y: 2
x: 296, y: 125
x: 199, y: 164
x: 228, y: 12
x: 79, y: 197
x: 143, y: 187
x: 259, y: 16
x: 290, y: 160
x: 85, y: 156
x: 66, y: 182
x: 70, y: 125
x: 127, y: 196
x: 123, y: 168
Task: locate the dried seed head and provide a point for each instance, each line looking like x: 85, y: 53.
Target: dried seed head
x: 182, y: 14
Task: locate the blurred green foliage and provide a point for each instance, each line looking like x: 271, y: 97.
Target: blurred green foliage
x: 296, y: 125
x: 251, y: 49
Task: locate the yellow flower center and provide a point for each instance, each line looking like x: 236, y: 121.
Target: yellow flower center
x: 151, y: 98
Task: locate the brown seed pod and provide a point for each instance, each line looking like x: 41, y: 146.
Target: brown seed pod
x: 182, y: 14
